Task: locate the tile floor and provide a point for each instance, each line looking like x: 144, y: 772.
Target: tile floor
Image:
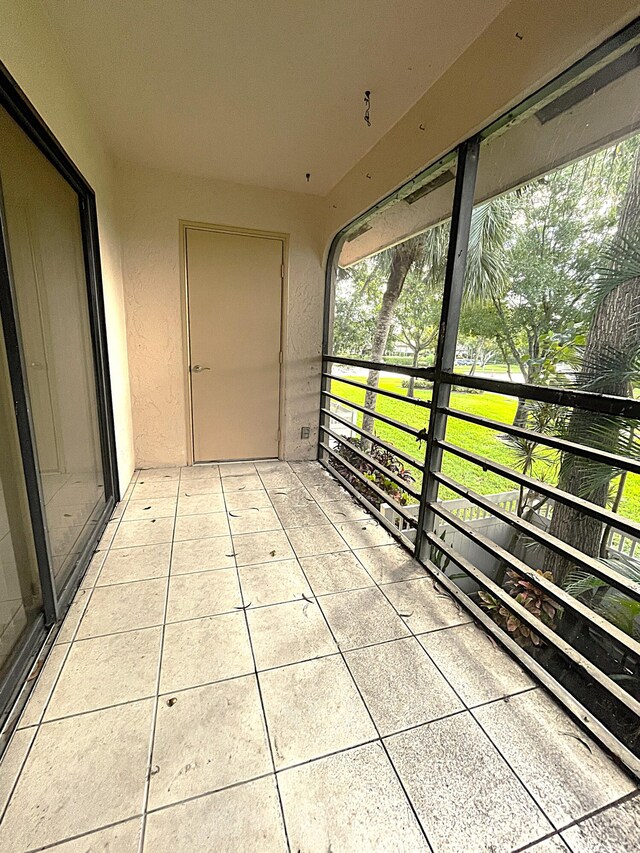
x: 251, y: 664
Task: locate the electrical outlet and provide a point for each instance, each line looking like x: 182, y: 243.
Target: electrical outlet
x: 304, y: 432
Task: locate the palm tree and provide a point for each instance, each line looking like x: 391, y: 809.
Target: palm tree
x: 611, y: 365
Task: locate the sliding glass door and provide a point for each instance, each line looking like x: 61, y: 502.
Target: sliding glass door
x: 42, y: 218
x: 57, y: 448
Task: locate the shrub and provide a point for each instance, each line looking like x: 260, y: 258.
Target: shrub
x: 384, y: 458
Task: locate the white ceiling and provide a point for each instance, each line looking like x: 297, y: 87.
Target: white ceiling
x: 258, y: 91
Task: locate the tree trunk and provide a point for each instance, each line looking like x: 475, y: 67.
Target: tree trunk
x: 403, y: 256
x: 613, y: 332
x: 520, y: 418
x: 412, y: 379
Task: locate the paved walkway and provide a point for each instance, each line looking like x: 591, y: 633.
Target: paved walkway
x: 251, y: 664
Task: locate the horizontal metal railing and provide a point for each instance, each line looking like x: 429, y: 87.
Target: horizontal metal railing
x: 331, y: 455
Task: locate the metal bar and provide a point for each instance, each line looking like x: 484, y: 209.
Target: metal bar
x: 588, y: 564
x: 606, y: 404
x: 392, y: 529
x: 414, y: 401
x: 383, y: 418
x: 415, y: 463
x: 383, y: 495
x: 420, y: 372
x: 604, y: 515
x: 371, y: 461
x: 550, y: 588
x: 561, y: 444
x: 536, y: 625
x: 449, y: 322
x: 583, y: 717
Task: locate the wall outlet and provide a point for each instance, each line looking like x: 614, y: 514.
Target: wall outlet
x: 304, y: 432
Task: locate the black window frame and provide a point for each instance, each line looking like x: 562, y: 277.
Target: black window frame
x: 55, y: 603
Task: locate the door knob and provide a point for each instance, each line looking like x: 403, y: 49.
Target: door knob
x: 198, y: 368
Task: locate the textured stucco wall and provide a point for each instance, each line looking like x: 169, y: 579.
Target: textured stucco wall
x: 31, y: 54
x: 151, y: 204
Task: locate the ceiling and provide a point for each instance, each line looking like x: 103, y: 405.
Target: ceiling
x: 258, y: 91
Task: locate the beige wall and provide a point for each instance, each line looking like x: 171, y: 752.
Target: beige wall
x: 529, y: 43
x: 151, y: 205
x: 36, y: 61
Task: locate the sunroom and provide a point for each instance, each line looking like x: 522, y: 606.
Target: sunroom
x: 320, y: 431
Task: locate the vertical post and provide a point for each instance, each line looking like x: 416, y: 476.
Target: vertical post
x: 327, y: 334
x: 449, y: 322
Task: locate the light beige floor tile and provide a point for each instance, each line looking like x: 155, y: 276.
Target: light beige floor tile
x: 253, y: 520
x: 361, y: 617
x: 144, y: 562
x: 203, y: 594
x: 209, y: 738
x: 241, y: 483
x: 34, y: 709
x: 124, y: 607
x: 290, y: 497
x: 319, y: 539
x: 93, y: 570
x: 552, y: 845
x: 141, y: 509
x: 167, y: 473
x: 565, y: 771
x: 287, y: 633
x: 478, y: 669
x: 349, y: 802
x: 219, y: 822
x: 236, y: 469
x: 198, y: 472
x: 327, y: 490
x: 310, y: 472
x: 254, y: 499
x: 199, y: 504
x: 205, y: 650
x: 400, y: 685
x: 313, y: 709
x: 615, y: 830
x: 280, y: 480
x: 74, y: 615
x: 202, y: 526
x: 148, y: 532
x: 201, y: 555
x: 389, y: 563
x: 154, y: 488
x: 118, y: 510
x: 464, y: 793
x: 82, y: 773
x: 106, y: 671
x: 271, y: 465
x: 335, y: 572
x: 121, y: 838
x: 364, y: 534
x: 301, y: 516
x: 12, y: 761
x: 422, y: 608
x: 344, y: 510
x: 107, y: 537
x: 268, y: 547
x: 201, y: 486
x: 273, y: 583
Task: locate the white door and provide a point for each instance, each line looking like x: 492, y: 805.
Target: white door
x: 234, y: 296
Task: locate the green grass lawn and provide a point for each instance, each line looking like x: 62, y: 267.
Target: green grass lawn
x: 469, y: 436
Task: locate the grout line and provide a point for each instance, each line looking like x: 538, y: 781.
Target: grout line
x: 154, y: 718
x: 261, y: 698
x: 373, y: 722
x: 57, y: 629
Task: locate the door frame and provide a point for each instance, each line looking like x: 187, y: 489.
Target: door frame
x: 55, y: 602
x: 185, y: 224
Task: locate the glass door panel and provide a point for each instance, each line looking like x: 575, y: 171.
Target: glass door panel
x: 20, y: 595
x: 45, y: 246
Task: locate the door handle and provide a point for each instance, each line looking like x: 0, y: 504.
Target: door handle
x: 198, y: 368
